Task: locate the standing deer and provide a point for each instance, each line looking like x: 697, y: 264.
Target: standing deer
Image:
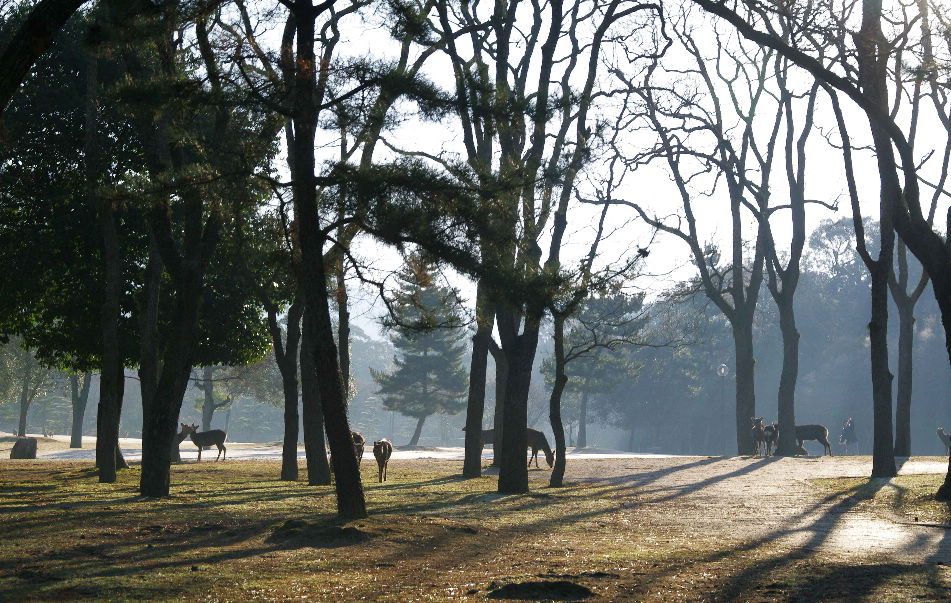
x: 536, y: 441
x: 818, y: 433
x: 759, y: 435
x: 771, y: 432
x: 382, y: 451
x: 359, y: 442
x: 207, y: 438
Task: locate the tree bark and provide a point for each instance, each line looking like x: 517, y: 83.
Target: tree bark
x: 414, y: 441
x: 79, y: 397
x: 498, y: 423
x: 478, y: 369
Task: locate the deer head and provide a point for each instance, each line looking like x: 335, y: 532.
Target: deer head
x: 550, y: 458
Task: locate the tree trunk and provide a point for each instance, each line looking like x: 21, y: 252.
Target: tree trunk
x: 343, y: 327
x: 498, y: 423
x: 79, y: 397
x: 519, y: 352
x: 554, y: 405
x: 414, y: 441
x: 582, y: 416
x: 25, y: 401
x: 33, y: 38
x: 786, y: 445
x: 315, y: 447
x: 906, y: 338
x: 883, y: 452
x: 745, y: 384
x: 350, y: 499
x: 286, y: 354
x: 208, y: 400
x: 478, y: 368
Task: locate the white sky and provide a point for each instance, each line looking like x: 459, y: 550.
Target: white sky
x: 651, y: 186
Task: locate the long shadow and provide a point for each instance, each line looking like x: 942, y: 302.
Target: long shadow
x: 820, y: 529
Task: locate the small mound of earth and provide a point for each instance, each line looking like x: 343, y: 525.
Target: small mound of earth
x: 542, y: 590
x: 319, y: 535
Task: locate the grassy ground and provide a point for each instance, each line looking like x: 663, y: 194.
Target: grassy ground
x: 230, y: 531
x: 906, y: 498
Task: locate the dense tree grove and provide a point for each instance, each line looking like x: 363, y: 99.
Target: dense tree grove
x: 214, y: 198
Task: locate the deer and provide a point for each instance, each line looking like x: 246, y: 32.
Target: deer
x: 759, y: 435
x: 359, y: 442
x: 818, y: 433
x: 771, y: 432
x: 536, y: 441
x: 382, y: 451
x: 945, y: 438
x: 207, y: 438
x: 186, y: 430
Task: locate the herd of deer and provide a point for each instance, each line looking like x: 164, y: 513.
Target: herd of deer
x: 765, y: 437
x: 382, y: 450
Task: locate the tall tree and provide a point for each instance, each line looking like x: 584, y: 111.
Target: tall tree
x: 426, y: 331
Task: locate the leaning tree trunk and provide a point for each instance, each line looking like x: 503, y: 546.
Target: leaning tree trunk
x: 745, y: 384
x: 478, y: 369
x: 414, y: 441
x: 79, y: 397
x: 315, y: 447
x: 786, y: 445
x: 554, y: 405
x: 906, y: 337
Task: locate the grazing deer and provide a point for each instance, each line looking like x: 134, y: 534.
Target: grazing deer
x: 382, y: 451
x: 207, y: 438
x: 759, y: 435
x: 847, y: 437
x: 536, y: 441
x: 818, y: 433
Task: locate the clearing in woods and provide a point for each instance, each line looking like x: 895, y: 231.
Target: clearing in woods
x: 700, y: 528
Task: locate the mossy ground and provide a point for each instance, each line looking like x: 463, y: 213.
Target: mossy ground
x: 231, y: 531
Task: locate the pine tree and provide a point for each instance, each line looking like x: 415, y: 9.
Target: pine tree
x: 426, y: 329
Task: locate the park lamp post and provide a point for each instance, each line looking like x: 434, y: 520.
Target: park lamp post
x: 723, y: 371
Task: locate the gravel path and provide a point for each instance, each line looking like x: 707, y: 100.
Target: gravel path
x: 753, y: 501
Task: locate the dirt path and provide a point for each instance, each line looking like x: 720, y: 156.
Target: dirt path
x: 755, y: 501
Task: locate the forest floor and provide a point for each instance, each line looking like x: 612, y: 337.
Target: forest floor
x: 655, y: 529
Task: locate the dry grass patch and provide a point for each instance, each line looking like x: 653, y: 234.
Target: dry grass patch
x: 231, y: 531
x: 907, y: 498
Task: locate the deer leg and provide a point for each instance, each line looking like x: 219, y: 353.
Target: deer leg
x: 199, y: 454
